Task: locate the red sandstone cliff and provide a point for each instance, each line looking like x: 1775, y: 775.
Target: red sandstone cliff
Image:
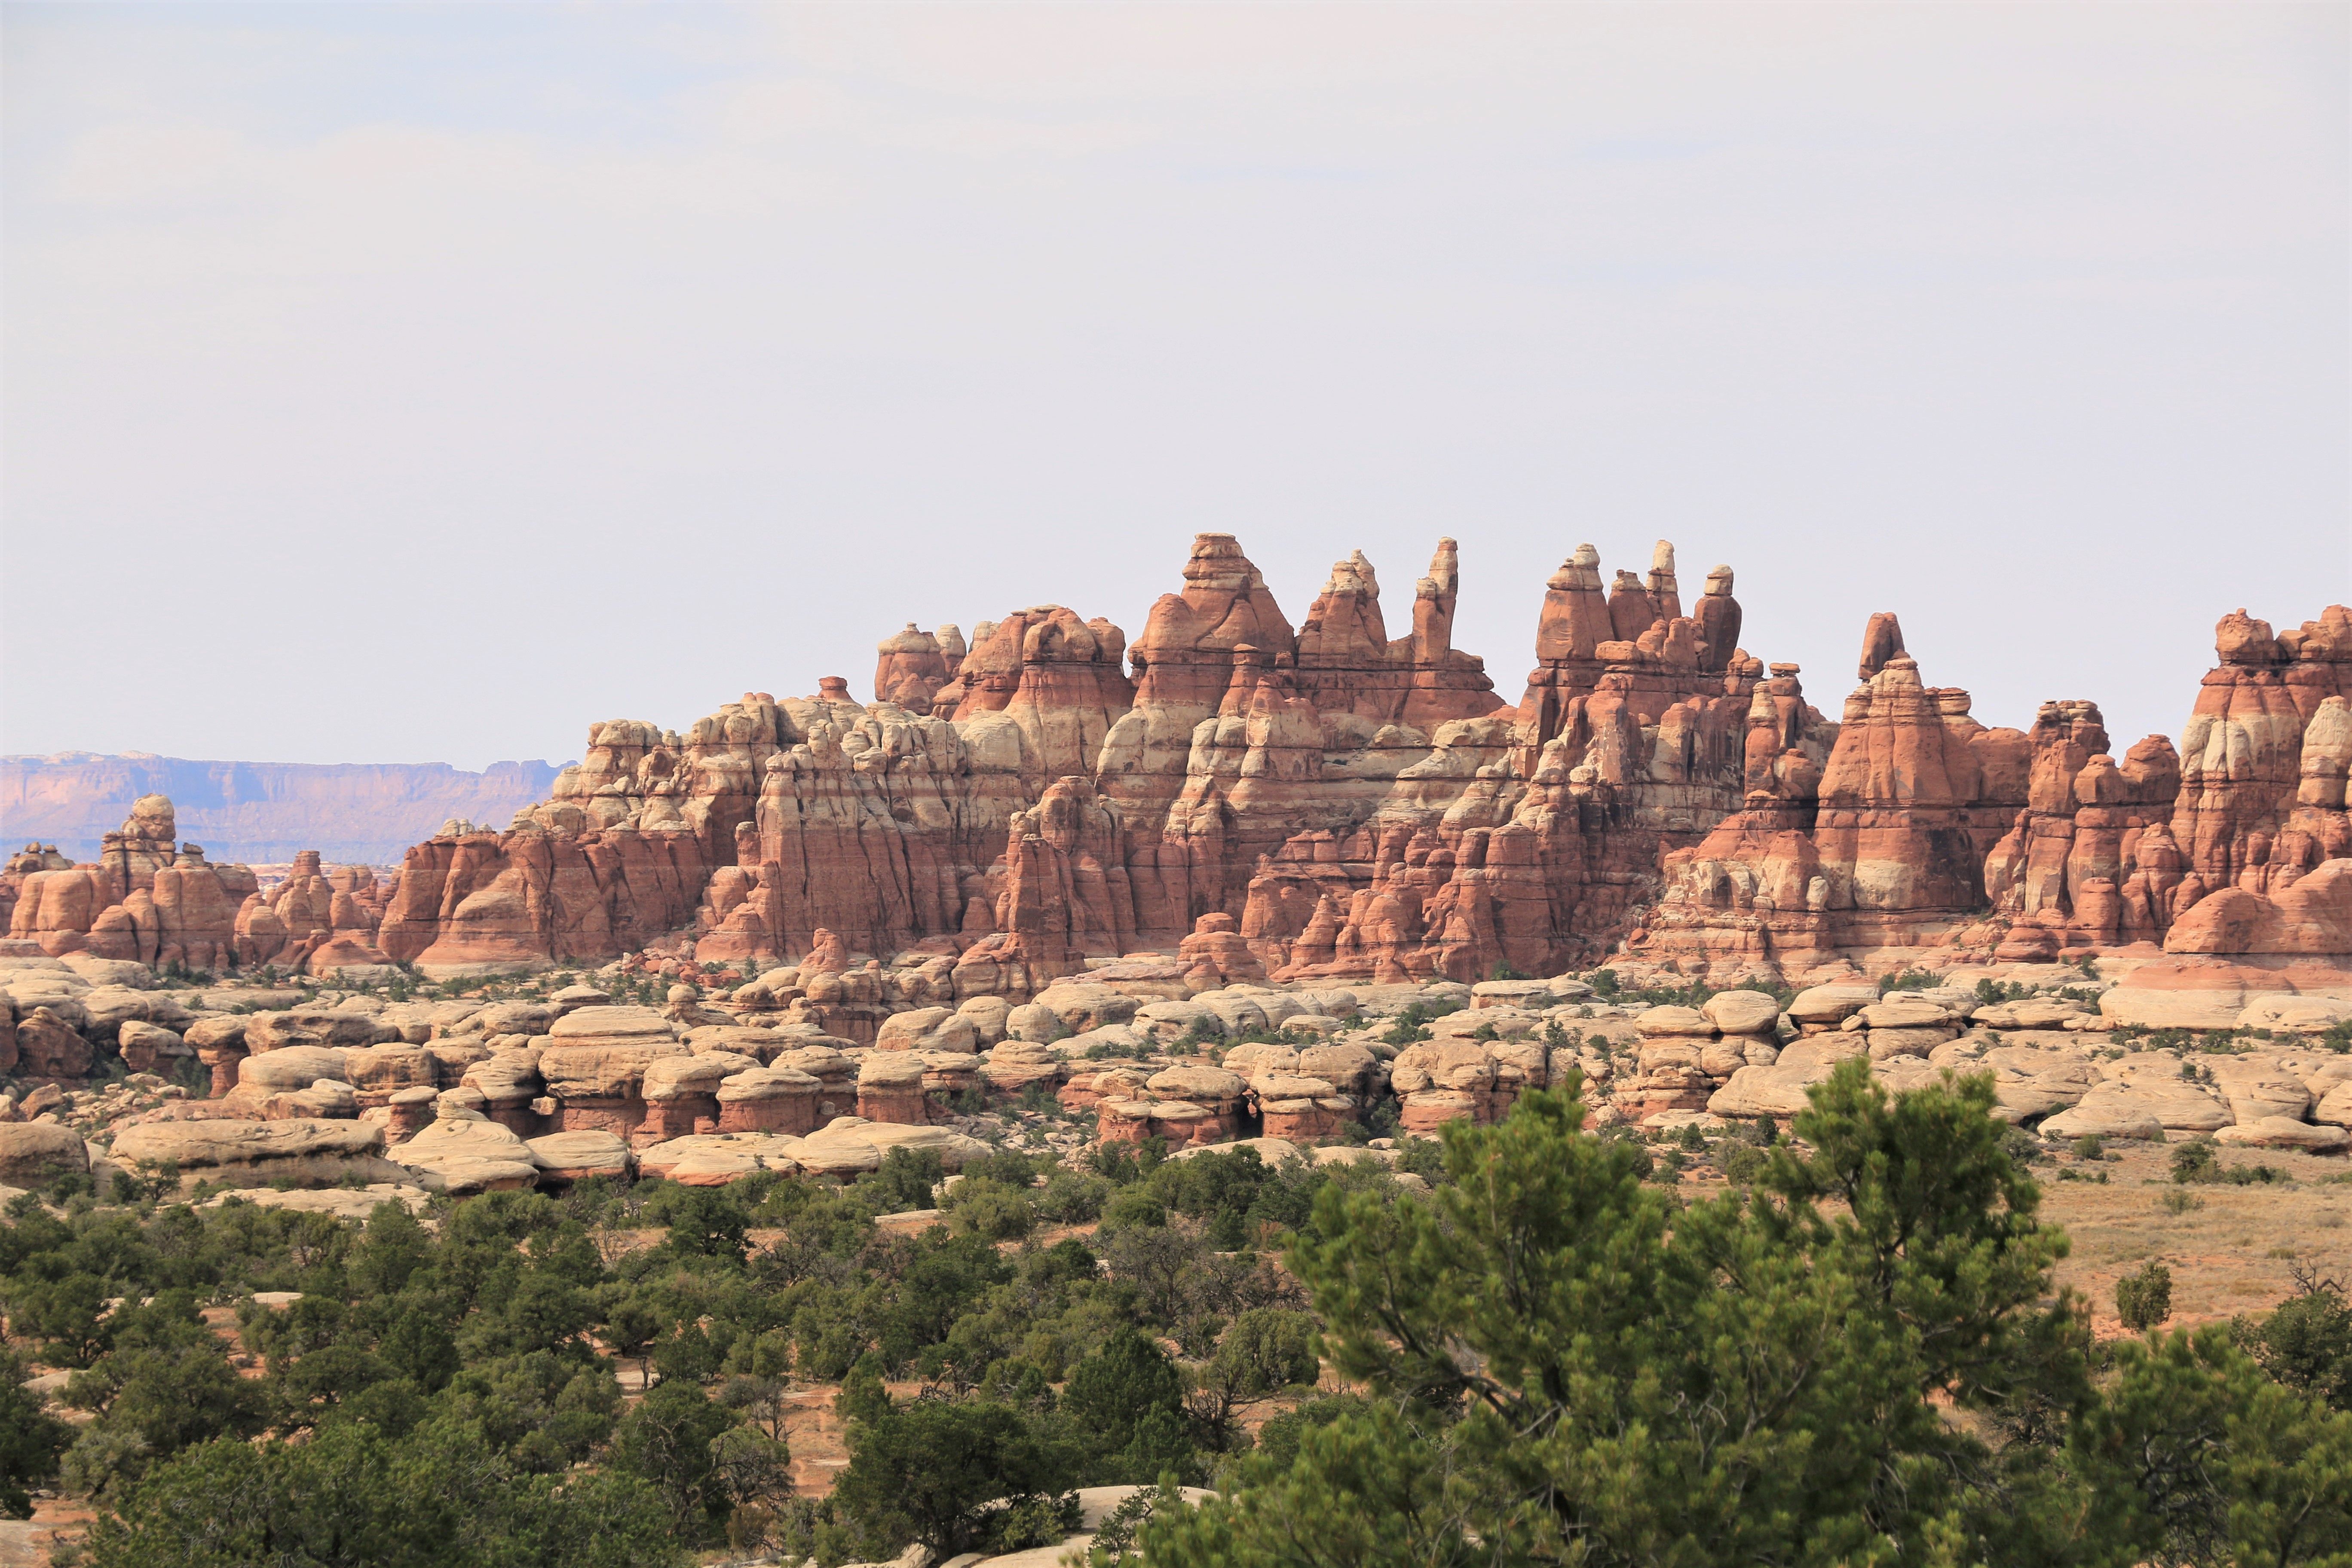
x: 1333, y: 802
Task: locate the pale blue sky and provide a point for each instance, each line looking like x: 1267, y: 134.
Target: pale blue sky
x: 423, y: 383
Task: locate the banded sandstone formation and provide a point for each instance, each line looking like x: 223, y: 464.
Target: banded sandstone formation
x: 1244, y: 799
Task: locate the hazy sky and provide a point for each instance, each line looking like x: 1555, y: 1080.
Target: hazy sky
x: 424, y: 383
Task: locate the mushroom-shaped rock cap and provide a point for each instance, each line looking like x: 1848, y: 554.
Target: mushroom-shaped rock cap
x: 1674, y: 1021
x: 34, y: 1153
x: 891, y: 1069
x: 195, y: 1144
x: 290, y: 1069
x: 581, y: 1153
x: 602, y: 1069
x: 506, y: 1076
x: 1339, y: 1061
x: 1742, y: 1012
x: 608, y: 1024
x: 2286, y: 1132
x: 1255, y: 1056
x: 1289, y: 1086
x: 740, y: 1038
x: 1831, y: 1003
x: 673, y: 1077
x: 1901, y: 1012
x: 463, y: 1137
x: 1197, y: 1083
x: 818, y: 1061
x: 768, y: 1083
x: 913, y: 639
x: 710, y: 1158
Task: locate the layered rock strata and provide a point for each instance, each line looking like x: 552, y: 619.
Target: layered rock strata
x: 1322, y: 802
x: 1232, y: 799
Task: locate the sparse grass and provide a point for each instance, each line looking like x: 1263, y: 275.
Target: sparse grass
x: 2224, y: 1253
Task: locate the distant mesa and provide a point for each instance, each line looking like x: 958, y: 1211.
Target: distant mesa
x: 261, y: 813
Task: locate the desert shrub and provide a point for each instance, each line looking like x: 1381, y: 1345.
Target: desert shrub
x: 2144, y: 1298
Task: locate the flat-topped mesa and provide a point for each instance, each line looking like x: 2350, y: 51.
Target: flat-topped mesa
x: 1347, y: 664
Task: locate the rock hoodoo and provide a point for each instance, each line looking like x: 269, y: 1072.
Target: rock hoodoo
x: 1232, y: 799
x: 149, y: 901
x: 1329, y: 802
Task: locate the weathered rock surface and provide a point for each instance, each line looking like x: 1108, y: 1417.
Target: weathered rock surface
x: 256, y: 1153
x: 34, y: 1153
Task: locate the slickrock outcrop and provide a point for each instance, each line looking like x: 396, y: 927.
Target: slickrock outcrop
x: 34, y: 1153
x: 256, y: 1153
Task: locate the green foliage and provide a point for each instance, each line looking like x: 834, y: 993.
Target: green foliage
x: 1278, y: 1440
x: 1742, y: 1164
x: 31, y: 1439
x: 1560, y: 1363
x: 2198, y: 1160
x: 351, y: 1498
x: 940, y: 1472
x: 1411, y: 1021
x: 1423, y: 1157
x: 1070, y: 1197
x: 666, y: 1439
x: 1267, y: 1350
x: 2193, y: 1456
x: 2144, y: 1297
x: 1127, y: 1401
x: 2306, y: 1343
x: 1855, y: 1359
x: 863, y: 1397
x: 1115, y: 1541
x: 993, y: 1209
x: 1034, y: 1520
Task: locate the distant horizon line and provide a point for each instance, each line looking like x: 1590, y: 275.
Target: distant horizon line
x: 78, y: 754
